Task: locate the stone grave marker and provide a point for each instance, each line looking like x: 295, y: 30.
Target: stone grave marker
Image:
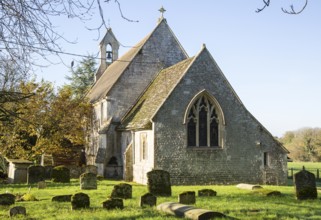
x: 158, y: 183
x: 7, y: 199
x: 17, y: 210
x: 80, y: 201
x: 17, y: 171
x: 42, y: 185
x: 305, y: 186
x: 48, y: 172
x: 90, y: 169
x: 88, y: 181
x: 206, y: 192
x: 60, y: 174
x: 122, y: 190
x: 113, y: 203
x: 187, y: 197
x: 61, y: 198
x: 147, y: 199
x: 35, y: 174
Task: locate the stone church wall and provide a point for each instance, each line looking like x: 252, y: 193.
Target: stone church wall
x: 245, y: 140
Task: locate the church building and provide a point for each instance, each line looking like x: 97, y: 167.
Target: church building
x: 157, y: 108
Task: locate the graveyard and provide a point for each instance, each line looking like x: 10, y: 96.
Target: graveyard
x: 92, y: 197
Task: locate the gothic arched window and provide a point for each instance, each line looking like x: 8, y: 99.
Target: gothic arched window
x: 204, y: 122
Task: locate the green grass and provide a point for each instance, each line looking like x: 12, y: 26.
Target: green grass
x: 313, y: 167
x: 233, y: 202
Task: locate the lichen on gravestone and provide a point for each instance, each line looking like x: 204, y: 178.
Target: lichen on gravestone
x: 60, y: 174
x: 187, y: 197
x: 80, y: 201
x: 88, y: 181
x: 206, y: 192
x: 122, y: 190
x: 305, y: 185
x: 113, y: 203
x: 147, y: 199
x: 158, y: 183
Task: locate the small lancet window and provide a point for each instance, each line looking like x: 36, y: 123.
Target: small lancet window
x: 109, y: 54
x: 203, y: 123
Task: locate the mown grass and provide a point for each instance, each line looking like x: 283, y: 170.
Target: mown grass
x: 233, y: 202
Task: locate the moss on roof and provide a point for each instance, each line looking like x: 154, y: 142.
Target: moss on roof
x: 139, y: 117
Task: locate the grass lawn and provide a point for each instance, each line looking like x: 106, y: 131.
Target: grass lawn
x: 231, y: 201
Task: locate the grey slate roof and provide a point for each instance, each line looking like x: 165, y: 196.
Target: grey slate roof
x: 139, y: 117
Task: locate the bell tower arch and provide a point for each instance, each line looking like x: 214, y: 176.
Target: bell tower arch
x: 109, y: 47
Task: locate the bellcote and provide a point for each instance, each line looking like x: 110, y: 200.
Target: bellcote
x: 109, y: 47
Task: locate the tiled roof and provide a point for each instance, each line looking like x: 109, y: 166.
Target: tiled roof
x: 160, y: 88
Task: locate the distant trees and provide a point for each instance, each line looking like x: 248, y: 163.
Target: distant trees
x: 303, y: 144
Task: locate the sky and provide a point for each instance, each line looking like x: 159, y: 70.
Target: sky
x: 271, y: 59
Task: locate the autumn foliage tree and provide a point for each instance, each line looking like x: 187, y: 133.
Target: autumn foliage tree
x: 47, y: 122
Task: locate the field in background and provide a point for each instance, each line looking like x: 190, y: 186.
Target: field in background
x: 233, y: 202
x: 313, y: 167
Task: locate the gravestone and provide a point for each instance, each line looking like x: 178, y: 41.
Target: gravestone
x: 7, y: 199
x: 17, y: 171
x: 80, y: 201
x: 17, y: 210
x: 48, y: 172
x: 61, y: 198
x: 88, y: 181
x: 60, y: 174
x: 35, y: 174
x: 122, y: 190
x: 189, y: 212
x: 147, y: 199
x: 113, y: 203
x: 158, y: 183
x: 187, y: 197
x: 206, y: 192
x: 305, y: 186
x: 42, y: 185
x: 90, y: 169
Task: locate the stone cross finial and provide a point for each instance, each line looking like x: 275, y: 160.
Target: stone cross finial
x: 162, y: 11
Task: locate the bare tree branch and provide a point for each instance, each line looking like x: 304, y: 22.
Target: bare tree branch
x: 293, y: 11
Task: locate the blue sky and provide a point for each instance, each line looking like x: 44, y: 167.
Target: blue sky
x: 272, y: 60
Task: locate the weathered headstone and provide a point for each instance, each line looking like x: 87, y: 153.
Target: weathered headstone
x: 90, y: 169
x: 122, y: 190
x: 113, y: 203
x: 42, y: 185
x: 248, y: 186
x: 305, y: 186
x: 17, y: 172
x: 61, y: 174
x: 80, y: 201
x: 187, y: 197
x: 48, y: 172
x: 88, y: 181
x: 189, y: 212
x: 35, y: 174
x: 7, y: 199
x: 206, y: 192
x: 147, y: 199
x: 159, y: 183
x: 61, y: 198
x: 17, y: 210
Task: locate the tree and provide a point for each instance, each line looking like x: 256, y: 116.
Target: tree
x: 83, y: 77
x: 303, y: 144
x: 50, y: 122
